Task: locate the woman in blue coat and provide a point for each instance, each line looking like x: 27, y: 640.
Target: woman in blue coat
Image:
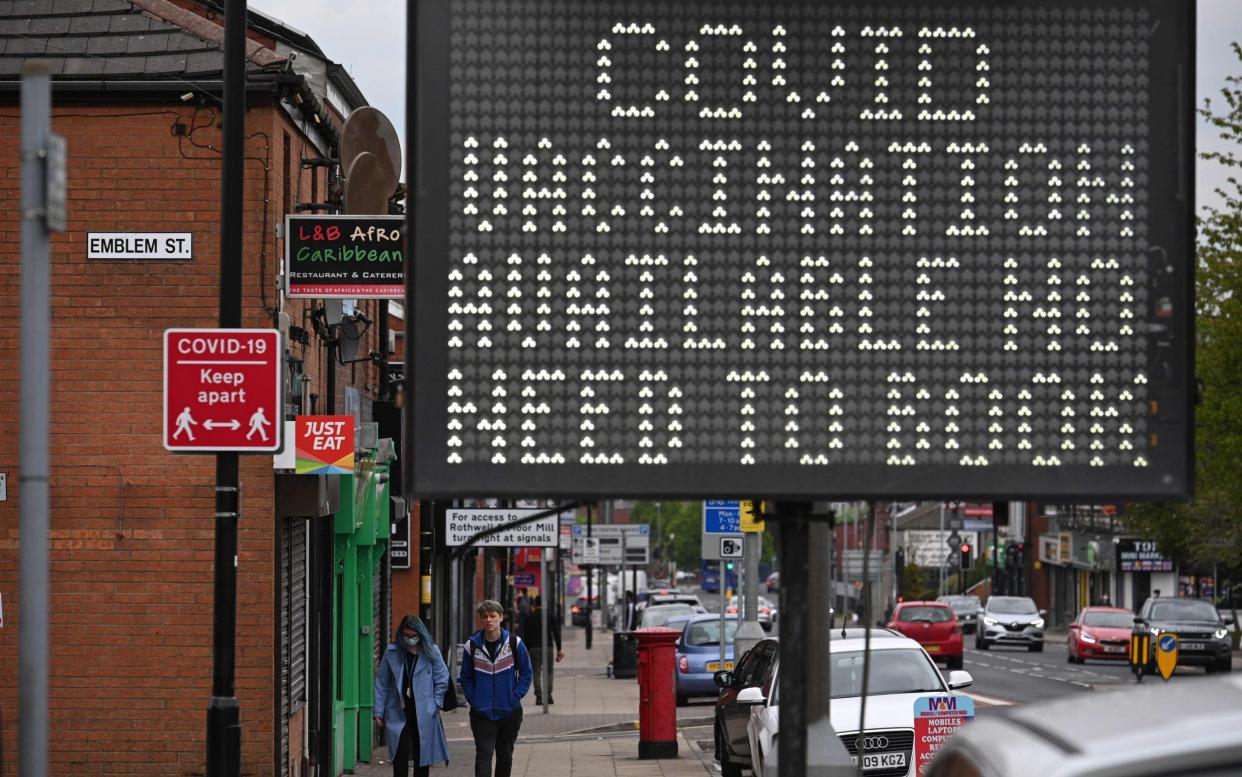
x: 409, y: 691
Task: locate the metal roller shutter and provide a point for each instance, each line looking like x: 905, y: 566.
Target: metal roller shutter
x: 293, y: 630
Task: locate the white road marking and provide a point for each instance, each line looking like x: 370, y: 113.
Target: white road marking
x: 994, y: 702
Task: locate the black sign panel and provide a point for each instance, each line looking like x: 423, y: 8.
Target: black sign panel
x: 1141, y: 556
x: 891, y: 249
x: 345, y: 257
x: 399, y: 541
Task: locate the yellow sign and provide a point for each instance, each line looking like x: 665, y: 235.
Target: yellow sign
x: 1166, y: 654
x: 750, y: 520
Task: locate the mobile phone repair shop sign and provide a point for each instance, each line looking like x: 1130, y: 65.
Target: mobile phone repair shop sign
x: 345, y: 257
x: 868, y: 249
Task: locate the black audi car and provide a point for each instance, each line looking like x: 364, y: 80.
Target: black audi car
x: 1202, y: 637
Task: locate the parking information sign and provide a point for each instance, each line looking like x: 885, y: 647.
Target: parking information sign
x: 936, y: 718
x: 876, y: 249
x: 722, y: 520
x: 222, y: 390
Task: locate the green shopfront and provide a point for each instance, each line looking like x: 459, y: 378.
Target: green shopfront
x: 358, y: 608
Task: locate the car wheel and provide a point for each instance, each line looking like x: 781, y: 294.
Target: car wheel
x: 955, y: 662
x: 1225, y: 665
x: 682, y: 701
x: 981, y: 644
x: 1036, y: 648
x: 729, y: 769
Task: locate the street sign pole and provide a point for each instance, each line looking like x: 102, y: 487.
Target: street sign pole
x: 223, y: 713
x: 36, y: 326
x: 723, y: 603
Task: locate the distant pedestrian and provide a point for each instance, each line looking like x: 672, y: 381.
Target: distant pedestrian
x: 631, y: 611
x: 531, y: 624
x: 495, y: 675
x: 409, y: 691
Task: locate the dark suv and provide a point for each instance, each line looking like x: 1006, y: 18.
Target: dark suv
x: 1202, y: 638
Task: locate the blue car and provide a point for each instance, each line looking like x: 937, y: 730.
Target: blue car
x: 698, y: 656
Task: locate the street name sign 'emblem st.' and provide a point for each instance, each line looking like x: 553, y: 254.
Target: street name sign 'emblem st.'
x: 222, y: 390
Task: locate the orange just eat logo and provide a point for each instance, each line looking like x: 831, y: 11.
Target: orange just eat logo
x: 325, y: 444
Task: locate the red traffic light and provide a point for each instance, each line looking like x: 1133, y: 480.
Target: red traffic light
x: 965, y: 547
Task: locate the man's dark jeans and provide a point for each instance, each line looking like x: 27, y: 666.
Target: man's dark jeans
x: 494, y: 737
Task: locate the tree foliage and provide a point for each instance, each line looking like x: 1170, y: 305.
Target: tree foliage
x: 677, y: 530
x: 1209, y: 529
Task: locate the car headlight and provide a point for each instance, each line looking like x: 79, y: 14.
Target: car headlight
x: 990, y: 621
x: 1085, y: 637
x: 1038, y: 623
x: 1220, y: 633
x: 1155, y: 630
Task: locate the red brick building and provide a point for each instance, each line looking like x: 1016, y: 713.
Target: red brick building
x: 136, y: 94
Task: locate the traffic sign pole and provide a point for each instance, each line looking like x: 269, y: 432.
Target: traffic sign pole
x: 223, y: 712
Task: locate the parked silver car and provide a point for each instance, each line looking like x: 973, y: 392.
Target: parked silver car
x: 1011, y: 620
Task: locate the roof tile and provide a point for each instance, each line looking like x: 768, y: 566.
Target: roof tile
x: 71, y: 6
x: 111, y: 6
x: 6, y: 8
x: 129, y: 22
x: 88, y: 25
x: 147, y: 44
x: 188, y: 43
x: 125, y: 66
x: 204, y: 62
x: 25, y: 47
x: 68, y: 44
x: 166, y: 63
x: 14, y: 26
x: 115, y: 44
x: 57, y: 25
x: 84, y: 66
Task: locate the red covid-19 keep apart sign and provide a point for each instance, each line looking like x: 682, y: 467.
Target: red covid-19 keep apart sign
x: 222, y: 390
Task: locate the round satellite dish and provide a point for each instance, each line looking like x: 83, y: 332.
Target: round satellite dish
x: 367, y: 187
x: 368, y: 129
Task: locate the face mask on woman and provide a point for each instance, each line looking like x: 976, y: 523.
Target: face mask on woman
x: 410, y: 641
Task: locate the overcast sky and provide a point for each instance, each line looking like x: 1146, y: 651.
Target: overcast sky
x: 368, y: 38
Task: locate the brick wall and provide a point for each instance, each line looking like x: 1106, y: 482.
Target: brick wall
x: 132, y: 525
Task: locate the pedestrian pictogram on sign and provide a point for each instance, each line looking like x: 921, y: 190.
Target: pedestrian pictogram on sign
x: 222, y: 390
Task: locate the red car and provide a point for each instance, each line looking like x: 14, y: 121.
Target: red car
x: 1100, y: 632
x: 933, y: 625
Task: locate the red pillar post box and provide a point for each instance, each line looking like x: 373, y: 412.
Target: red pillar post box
x: 657, y: 698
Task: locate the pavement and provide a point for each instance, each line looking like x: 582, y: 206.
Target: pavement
x: 591, y: 730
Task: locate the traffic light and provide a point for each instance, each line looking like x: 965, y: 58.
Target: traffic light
x: 968, y: 560
x: 729, y: 565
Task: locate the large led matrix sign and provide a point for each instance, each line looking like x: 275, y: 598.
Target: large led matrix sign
x: 713, y: 249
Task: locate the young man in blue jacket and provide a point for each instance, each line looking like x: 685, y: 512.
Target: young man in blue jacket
x: 495, y: 675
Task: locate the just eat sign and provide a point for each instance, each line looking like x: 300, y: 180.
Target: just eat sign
x: 325, y: 444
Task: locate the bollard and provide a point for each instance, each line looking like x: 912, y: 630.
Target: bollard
x: 1140, y: 648
x: 657, y: 698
